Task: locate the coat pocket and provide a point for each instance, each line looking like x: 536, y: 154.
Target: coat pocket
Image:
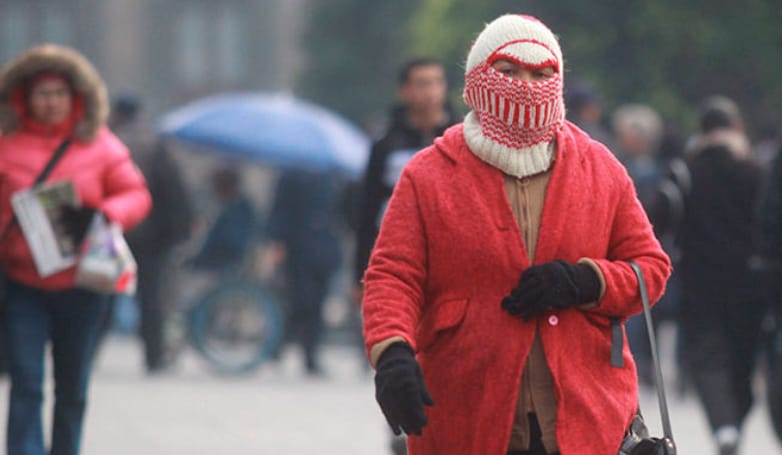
x: 442, y: 316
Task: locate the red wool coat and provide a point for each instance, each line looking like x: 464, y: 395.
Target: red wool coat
x: 449, y: 249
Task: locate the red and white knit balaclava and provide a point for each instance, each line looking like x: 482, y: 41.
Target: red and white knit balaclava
x: 513, y: 123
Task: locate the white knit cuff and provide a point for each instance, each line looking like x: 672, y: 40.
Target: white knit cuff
x: 519, y: 163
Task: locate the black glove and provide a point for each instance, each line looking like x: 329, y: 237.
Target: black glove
x: 555, y: 284
x: 400, y: 389
x: 74, y: 222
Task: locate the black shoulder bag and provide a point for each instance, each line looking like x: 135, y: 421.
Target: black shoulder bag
x: 637, y: 440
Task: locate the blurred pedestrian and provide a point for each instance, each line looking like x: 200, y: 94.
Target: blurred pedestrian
x: 500, y: 266
x: 303, y: 234
x: 723, y: 305
x: 230, y: 237
x: 585, y: 110
x: 666, y: 212
x: 421, y: 115
x: 168, y: 225
x: 638, y: 131
x: 49, y: 95
x: 719, y: 123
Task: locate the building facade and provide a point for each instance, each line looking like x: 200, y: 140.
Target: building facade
x: 166, y: 51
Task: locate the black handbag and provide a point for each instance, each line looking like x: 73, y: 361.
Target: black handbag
x: 637, y: 441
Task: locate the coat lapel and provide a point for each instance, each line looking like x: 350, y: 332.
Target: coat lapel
x: 491, y: 181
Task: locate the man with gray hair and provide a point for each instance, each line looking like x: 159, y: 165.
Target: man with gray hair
x: 638, y: 130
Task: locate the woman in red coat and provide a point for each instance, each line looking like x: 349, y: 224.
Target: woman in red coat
x: 47, y: 95
x: 500, y: 265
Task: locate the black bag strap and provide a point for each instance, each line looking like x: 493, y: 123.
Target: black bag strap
x: 617, y: 343
x: 47, y: 169
x: 658, y: 379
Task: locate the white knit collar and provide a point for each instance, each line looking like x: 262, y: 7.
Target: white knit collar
x: 516, y: 162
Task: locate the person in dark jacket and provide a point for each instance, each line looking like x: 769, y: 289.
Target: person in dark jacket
x: 422, y: 116
x: 722, y: 310
x: 584, y: 108
x: 167, y: 225
x: 302, y: 230
x: 229, y: 238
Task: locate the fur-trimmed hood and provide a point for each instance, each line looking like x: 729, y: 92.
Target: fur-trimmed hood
x: 86, y: 81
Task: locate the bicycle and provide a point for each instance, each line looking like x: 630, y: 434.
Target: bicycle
x: 234, y: 322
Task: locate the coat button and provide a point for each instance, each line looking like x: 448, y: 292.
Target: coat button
x: 553, y: 320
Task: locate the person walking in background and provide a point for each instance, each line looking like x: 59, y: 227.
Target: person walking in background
x: 50, y: 94
x: 229, y: 238
x: 168, y: 224
x: 584, y: 109
x: 723, y: 304
x: 303, y: 236
x: 500, y: 264
x: 666, y: 213
x: 719, y: 123
x: 638, y: 131
x: 422, y: 115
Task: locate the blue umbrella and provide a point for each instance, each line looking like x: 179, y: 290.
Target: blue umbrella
x: 276, y: 130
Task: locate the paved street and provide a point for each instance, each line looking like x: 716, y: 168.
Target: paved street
x: 278, y: 411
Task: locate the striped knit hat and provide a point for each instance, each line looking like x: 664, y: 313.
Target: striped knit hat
x: 513, y: 123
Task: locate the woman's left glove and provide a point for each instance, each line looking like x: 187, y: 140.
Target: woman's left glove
x: 400, y: 389
x: 555, y: 284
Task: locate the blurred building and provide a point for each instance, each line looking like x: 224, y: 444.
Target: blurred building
x: 168, y: 51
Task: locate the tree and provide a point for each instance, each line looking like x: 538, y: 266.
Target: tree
x: 353, y: 50
x: 667, y: 53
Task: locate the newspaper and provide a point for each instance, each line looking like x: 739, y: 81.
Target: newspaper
x: 38, y: 211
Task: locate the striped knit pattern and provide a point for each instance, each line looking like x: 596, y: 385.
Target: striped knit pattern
x: 514, y: 113
x: 513, y: 122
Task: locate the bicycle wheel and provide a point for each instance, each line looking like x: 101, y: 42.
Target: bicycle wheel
x: 236, y: 327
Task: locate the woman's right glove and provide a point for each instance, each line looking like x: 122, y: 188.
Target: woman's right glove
x: 400, y: 389
x: 556, y: 284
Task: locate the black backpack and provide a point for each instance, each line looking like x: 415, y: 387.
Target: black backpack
x: 669, y: 205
